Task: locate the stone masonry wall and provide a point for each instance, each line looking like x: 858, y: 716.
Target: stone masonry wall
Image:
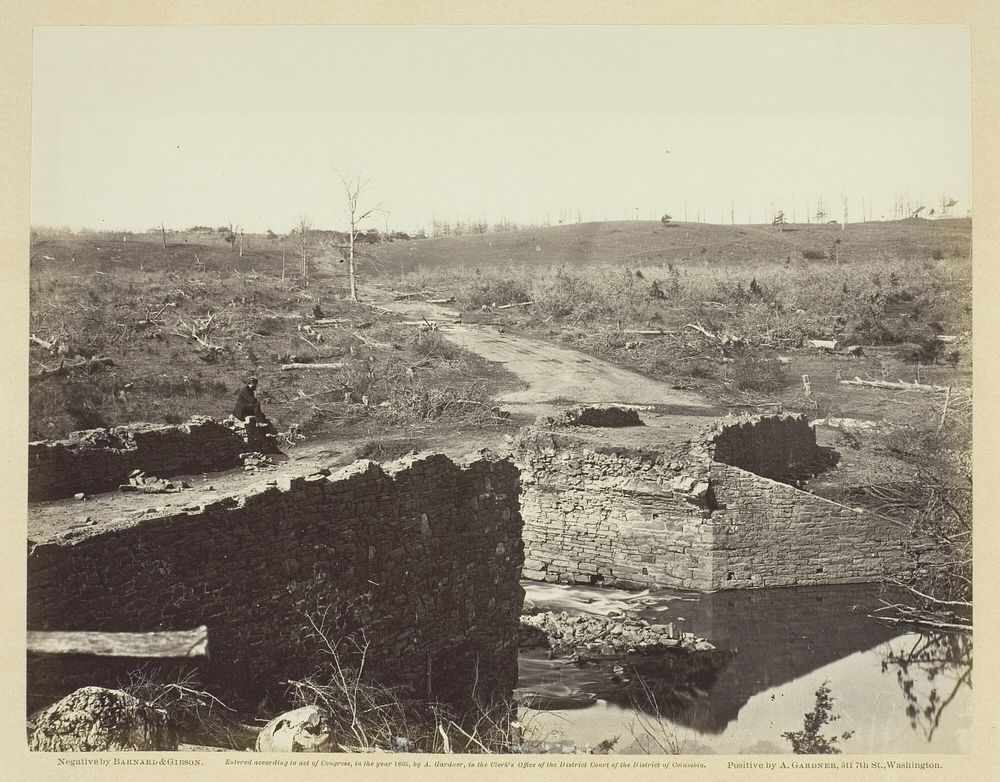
x: 424, y: 554
x: 97, y: 460
x: 767, y: 533
x: 612, y: 517
x: 683, y: 519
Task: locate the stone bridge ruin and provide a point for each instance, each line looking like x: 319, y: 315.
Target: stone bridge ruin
x: 425, y: 555
x: 718, y: 511
x: 422, y: 556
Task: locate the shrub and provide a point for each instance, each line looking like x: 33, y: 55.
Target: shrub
x: 487, y: 289
x: 198, y: 716
x: 809, y: 740
x: 430, y: 344
x: 937, y: 254
x: 755, y: 373
x: 926, y: 351
x: 372, y: 717
x: 814, y: 255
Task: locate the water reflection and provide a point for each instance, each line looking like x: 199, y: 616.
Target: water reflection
x: 774, y: 647
x: 932, y: 670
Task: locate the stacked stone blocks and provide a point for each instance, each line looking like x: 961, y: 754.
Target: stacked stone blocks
x: 711, y: 518
x: 97, y: 460
x: 424, y: 555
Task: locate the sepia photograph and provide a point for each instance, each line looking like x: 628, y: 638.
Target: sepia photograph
x: 526, y: 390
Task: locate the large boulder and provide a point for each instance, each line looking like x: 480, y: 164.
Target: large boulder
x: 95, y: 719
x: 303, y: 730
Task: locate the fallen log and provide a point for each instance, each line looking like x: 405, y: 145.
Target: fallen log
x: 292, y: 367
x: 902, y: 385
x: 64, y: 368
x: 823, y: 344
x: 174, y: 643
x: 42, y: 343
x: 517, y: 304
x: 647, y: 332
x: 375, y: 343
x: 449, y: 300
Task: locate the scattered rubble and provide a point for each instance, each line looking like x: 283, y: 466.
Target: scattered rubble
x: 255, y: 460
x: 149, y: 484
x: 584, y: 635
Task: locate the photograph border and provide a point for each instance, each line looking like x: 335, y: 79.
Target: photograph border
x: 981, y: 16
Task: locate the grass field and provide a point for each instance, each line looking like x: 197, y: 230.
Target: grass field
x: 186, y: 324
x: 895, y: 285
x: 639, y: 244
x: 892, y: 287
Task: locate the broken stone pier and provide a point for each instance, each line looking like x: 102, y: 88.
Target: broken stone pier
x: 717, y: 510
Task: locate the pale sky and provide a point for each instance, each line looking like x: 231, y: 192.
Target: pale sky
x: 207, y: 125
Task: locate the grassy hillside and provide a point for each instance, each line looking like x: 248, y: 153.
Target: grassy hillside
x: 727, y: 317
x: 647, y: 243
x: 137, y: 302
x: 184, y: 326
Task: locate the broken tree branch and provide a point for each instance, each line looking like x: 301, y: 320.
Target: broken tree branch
x: 902, y: 385
x: 42, y: 343
x: 701, y: 329
x: 65, y: 369
x: 293, y: 367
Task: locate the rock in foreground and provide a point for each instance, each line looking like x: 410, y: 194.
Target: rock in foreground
x: 302, y: 730
x: 95, y: 719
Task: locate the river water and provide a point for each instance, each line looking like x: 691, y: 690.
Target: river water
x: 896, y: 691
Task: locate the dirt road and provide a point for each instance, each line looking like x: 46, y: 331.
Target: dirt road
x: 555, y: 376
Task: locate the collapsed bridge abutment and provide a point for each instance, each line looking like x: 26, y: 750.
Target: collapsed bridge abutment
x: 707, y: 513
x: 420, y: 558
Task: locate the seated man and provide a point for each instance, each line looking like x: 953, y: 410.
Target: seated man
x: 247, y: 404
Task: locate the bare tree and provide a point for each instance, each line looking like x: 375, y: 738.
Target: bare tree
x: 353, y: 189
x: 229, y: 237
x: 304, y: 227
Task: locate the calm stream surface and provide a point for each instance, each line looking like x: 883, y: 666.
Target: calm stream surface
x: 898, y: 691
